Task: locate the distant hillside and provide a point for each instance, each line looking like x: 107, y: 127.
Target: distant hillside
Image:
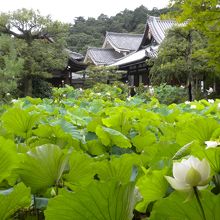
x: 91, y: 31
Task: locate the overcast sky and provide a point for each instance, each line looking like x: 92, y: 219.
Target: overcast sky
x: 67, y: 10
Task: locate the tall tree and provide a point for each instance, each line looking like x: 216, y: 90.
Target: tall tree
x: 10, y: 65
x: 44, y: 42
x: 176, y: 62
x: 203, y: 15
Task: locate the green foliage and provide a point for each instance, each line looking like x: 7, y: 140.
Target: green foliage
x: 101, y: 74
x: 41, y: 88
x: 43, y: 167
x: 19, y: 122
x: 157, y: 187
x: 81, y: 169
x: 204, y: 16
x: 42, y: 41
x: 168, y: 94
x: 200, y: 129
x: 111, y: 200
x: 89, y: 155
x: 8, y: 158
x: 111, y: 137
x: 17, y: 198
x: 10, y: 65
x: 175, y: 63
x: 176, y: 207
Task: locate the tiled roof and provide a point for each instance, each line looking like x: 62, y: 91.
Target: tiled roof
x: 123, y: 41
x: 150, y: 51
x: 74, y: 55
x: 158, y: 27
x: 102, y: 56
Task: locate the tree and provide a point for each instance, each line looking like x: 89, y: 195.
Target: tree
x: 10, y: 65
x: 176, y: 63
x: 101, y: 74
x: 44, y: 42
x: 203, y: 15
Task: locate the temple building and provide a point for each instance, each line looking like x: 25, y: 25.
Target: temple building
x: 115, y: 47
x: 129, y: 52
x: 69, y: 74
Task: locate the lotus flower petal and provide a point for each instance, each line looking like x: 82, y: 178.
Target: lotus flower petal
x: 176, y: 184
x: 180, y: 170
x: 204, y: 170
x: 211, y: 144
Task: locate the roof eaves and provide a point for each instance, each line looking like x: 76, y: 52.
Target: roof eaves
x: 118, y: 49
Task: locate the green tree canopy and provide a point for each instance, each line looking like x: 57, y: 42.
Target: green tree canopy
x: 176, y: 62
x: 10, y: 65
x: 203, y: 15
x: 91, y: 31
x: 43, y: 40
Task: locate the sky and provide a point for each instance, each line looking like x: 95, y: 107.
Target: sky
x: 67, y: 10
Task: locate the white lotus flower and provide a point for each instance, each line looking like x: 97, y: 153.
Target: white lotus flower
x: 14, y: 100
x: 187, y: 102
x: 211, y: 144
x: 210, y: 90
x: 129, y: 98
x: 193, y: 106
x: 189, y: 173
x: 211, y: 101
x: 151, y: 90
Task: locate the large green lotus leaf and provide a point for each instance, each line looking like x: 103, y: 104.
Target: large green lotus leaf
x: 17, y: 198
x: 120, y: 119
x: 142, y: 141
x: 68, y: 127
x: 98, y: 201
x: 43, y: 167
x: 19, y: 122
x: 160, y: 152
x: 176, y: 207
x: 53, y: 135
x: 119, y: 168
x: 200, y: 129
x: 211, y: 154
x: 96, y: 121
x: 8, y: 158
x: 81, y: 169
x: 152, y: 187
x: 95, y: 147
x: 110, y: 137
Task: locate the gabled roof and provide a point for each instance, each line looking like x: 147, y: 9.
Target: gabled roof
x: 150, y: 52
x: 157, y: 28
x: 102, y: 56
x: 122, y: 41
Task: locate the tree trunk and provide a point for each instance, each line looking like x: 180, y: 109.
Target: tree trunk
x: 28, y: 87
x: 191, y: 89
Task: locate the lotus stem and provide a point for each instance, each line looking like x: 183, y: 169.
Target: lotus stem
x: 199, y: 202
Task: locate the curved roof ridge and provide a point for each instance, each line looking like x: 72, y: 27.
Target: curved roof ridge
x: 124, y: 34
x: 126, y: 42
x: 99, y: 48
x: 159, y: 18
